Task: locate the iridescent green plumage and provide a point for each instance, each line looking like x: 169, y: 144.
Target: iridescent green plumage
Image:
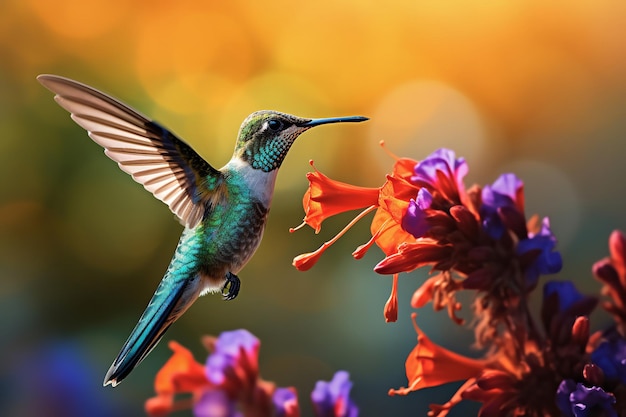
x: 223, y: 210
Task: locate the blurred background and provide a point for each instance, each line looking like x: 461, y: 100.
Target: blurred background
x: 533, y: 87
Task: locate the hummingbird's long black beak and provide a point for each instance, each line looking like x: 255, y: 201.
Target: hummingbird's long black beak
x: 345, y: 119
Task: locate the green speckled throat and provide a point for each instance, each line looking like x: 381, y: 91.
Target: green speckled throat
x: 266, y: 136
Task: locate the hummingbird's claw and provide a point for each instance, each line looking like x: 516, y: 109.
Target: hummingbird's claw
x: 231, y: 286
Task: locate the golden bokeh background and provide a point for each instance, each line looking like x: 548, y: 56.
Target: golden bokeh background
x: 533, y: 87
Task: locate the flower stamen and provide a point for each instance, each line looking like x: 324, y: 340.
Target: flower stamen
x: 391, y: 306
x: 388, y: 152
x: 305, y: 261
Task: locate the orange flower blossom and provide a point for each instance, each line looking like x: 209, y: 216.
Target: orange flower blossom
x: 326, y: 197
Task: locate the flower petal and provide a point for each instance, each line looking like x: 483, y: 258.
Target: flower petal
x: 415, y: 219
x: 389, y: 233
x: 577, y: 400
x: 424, y: 293
x: 414, y: 255
x: 159, y: 406
x: 235, y: 357
x: 181, y: 373
x: 430, y: 365
x: 326, y: 198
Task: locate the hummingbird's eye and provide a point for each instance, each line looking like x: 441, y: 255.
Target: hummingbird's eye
x: 274, y: 124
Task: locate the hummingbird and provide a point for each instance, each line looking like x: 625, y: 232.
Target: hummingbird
x: 223, y: 211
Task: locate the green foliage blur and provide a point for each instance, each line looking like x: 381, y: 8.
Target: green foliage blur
x: 521, y: 86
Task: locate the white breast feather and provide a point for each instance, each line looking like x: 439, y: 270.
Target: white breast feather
x: 260, y: 183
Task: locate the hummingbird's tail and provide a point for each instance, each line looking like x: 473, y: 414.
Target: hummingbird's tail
x: 169, y: 302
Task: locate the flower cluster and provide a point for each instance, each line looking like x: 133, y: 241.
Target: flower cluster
x: 229, y: 384
x: 475, y: 239
x: 478, y: 239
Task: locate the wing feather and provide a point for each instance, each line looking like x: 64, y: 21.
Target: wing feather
x: 164, y: 164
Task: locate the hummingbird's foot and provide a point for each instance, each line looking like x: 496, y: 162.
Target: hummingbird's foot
x: 233, y: 283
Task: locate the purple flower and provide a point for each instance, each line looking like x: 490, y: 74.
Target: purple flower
x: 505, y: 193
x: 234, y: 349
x: 443, y: 172
x: 286, y: 402
x: 439, y: 178
x: 610, y: 356
x: 546, y: 261
x: 332, y: 399
x: 577, y: 400
x: 232, y: 342
x: 414, y: 221
x: 442, y: 160
x: 565, y: 292
x: 215, y: 403
x: 503, y: 208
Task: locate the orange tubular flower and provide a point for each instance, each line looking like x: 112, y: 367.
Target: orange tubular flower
x: 326, y: 197
x: 305, y: 261
x: 180, y: 374
x: 387, y: 233
x: 430, y: 365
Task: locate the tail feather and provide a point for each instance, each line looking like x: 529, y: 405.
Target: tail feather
x: 169, y: 301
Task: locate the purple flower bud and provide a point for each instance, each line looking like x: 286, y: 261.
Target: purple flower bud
x: 505, y: 192
x: 547, y: 261
x: 332, y: 399
x: 285, y: 402
x: 231, y: 342
x: 237, y: 348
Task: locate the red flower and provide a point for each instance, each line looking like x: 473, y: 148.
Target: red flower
x: 430, y: 365
x: 229, y: 385
x: 326, y: 197
x: 305, y: 261
x: 180, y: 374
x: 228, y: 380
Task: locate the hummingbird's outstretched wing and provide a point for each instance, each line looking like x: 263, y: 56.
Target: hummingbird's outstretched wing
x: 165, y: 165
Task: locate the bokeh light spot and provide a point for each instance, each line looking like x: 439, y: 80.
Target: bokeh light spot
x: 552, y: 193
x: 420, y: 116
x: 80, y: 20
x: 182, y: 41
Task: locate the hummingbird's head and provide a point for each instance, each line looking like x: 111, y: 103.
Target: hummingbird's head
x: 266, y: 136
